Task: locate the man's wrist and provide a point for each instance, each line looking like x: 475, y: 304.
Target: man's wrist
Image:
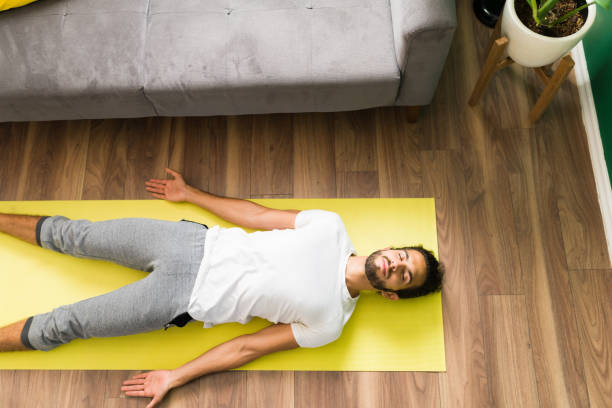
x: 175, y: 380
x: 190, y: 194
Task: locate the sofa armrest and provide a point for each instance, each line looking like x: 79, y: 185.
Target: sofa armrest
x: 423, y: 31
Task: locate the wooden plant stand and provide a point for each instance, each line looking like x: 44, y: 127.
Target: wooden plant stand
x: 495, y: 62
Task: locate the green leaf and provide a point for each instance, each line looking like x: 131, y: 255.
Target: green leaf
x: 604, y: 3
x: 546, y: 7
x: 532, y: 4
x: 534, y: 10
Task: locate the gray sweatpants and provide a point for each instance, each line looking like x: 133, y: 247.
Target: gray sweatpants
x: 170, y: 251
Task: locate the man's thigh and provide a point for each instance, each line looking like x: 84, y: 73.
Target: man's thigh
x: 138, y: 243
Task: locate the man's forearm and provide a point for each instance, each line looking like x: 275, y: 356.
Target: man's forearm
x: 225, y: 356
x: 235, y: 210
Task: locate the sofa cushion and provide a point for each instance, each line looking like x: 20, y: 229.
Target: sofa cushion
x: 227, y: 57
x: 71, y: 59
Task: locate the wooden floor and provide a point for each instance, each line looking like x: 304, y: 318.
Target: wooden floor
x: 526, y: 304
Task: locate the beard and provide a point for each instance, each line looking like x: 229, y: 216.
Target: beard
x: 370, y: 270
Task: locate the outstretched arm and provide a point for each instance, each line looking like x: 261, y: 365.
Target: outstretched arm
x: 231, y: 354
x: 237, y: 211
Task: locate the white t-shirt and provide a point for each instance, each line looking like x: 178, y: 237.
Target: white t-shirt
x: 294, y: 276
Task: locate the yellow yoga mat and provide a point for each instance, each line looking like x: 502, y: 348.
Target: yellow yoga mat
x: 382, y: 335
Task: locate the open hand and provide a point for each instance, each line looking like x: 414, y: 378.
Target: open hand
x: 154, y: 384
x: 171, y: 190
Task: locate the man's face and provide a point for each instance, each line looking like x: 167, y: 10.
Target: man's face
x: 396, y: 269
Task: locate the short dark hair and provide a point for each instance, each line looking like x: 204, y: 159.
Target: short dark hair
x: 433, y: 280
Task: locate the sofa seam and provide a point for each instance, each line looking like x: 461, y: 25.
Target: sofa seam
x: 144, y: 59
x: 413, y: 34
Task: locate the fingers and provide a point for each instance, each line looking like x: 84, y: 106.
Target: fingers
x: 155, y: 189
x: 130, y: 388
x: 135, y: 386
x: 172, y: 172
x: 161, y: 196
x: 153, y: 182
x: 135, y: 394
x: 132, y: 382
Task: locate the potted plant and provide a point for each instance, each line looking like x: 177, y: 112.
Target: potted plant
x: 539, y: 32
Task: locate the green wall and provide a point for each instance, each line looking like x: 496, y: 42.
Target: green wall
x: 598, y: 49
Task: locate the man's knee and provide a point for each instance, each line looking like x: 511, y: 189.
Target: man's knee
x: 50, y: 330
x: 62, y: 234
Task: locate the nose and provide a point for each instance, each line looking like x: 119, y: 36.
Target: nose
x: 395, y: 264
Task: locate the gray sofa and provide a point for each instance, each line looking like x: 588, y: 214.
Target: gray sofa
x: 90, y: 59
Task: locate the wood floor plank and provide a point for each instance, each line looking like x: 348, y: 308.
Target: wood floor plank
x: 270, y: 389
x: 509, y: 358
x: 81, y: 388
x: 314, y: 167
x: 147, y: 155
x: 6, y: 386
x: 256, y: 196
x: 272, y: 155
x: 54, y: 160
x: 106, y: 160
x: 353, y: 184
x: 398, y: 158
x: 12, y: 151
x: 404, y: 389
x: 198, y: 150
x: 388, y: 390
x: 443, y: 121
x: 578, y: 206
x: 35, y: 389
x: 506, y: 102
x: 205, y: 153
x: 355, y: 140
x: 226, y: 389
x: 114, y: 397
x: 465, y: 381
x: 356, y: 154
x: 176, y: 147
x: 123, y: 154
x: 238, y: 160
x: 591, y: 291
x: 554, y: 336
x: 490, y: 211
x: 125, y: 403
x: 187, y: 396
x: 495, y: 248
x: 323, y: 389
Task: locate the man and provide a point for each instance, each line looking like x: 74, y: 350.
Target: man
x: 301, y: 274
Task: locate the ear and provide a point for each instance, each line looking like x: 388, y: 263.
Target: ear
x: 389, y: 295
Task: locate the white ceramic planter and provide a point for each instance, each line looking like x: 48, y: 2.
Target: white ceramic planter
x: 534, y: 50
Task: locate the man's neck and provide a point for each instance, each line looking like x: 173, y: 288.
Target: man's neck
x: 355, y: 276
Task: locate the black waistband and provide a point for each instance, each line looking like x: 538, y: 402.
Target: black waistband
x: 180, y: 320
x: 204, y: 225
